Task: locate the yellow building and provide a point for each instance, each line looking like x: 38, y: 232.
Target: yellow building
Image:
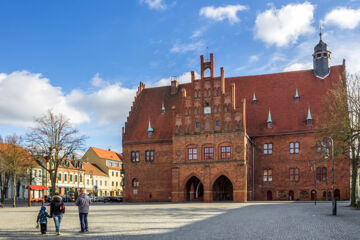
x: 96, y: 181
x: 110, y: 163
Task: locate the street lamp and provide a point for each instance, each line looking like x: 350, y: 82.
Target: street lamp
x: 324, y: 147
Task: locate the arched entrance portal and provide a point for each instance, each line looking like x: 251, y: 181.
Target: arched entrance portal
x: 222, y: 189
x: 194, y: 190
x: 291, y: 195
x: 269, y: 195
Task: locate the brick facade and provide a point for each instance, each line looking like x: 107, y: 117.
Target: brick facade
x: 208, y: 139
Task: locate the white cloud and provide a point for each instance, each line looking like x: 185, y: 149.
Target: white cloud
x: 107, y: 105
x: 25, y: 95
x: 343, y: 17
x: 97, y: 81
x: 228, y: 12
x: 298, y: 66
x: 284, y: 25
x: 183, y: 78
x: 253, y: 58
x: 186, y: 47
x: 155, y: 4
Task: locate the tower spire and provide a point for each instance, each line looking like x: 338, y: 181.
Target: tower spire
x: 309, y: 114
x: 254, y: 98
x: 269, y: 124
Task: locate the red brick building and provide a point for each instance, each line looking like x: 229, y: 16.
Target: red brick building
x: 238, y: 138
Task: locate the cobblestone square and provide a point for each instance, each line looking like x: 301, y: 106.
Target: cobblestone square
x: 254, y: 220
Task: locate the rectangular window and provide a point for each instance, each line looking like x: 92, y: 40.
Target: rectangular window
x: 65, y: 177
x: 192, y: 154
x: 225, y: 152
x: 208, y: 153
x: 267, y: 175
x: 294, y: 147
x: 318, y: 173
x: 324, y: 174
x: 76, y: 178
x: 81, y: 178
x: 112, y: 183
x: 149, y: 155
x: 112, y: 173
x: 105, y: 183
x: 71, y: 178
x: 100, y: 182
x: 117, y: 174
x: 135, y: 156
x: 116, y: 183
x: 197, y: 124
x: 59, y: 178
x: 294, y: 174
x: 88, y: 182
x: 268, y: 148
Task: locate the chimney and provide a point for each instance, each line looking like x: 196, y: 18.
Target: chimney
x: 192, y: 76
x: 233, y: 102
x: 222, y: 80
x: 174, y: 87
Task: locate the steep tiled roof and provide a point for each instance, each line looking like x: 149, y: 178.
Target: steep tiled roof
x: 274, y: 91
x: 106, y: 154
x: 148, y: 107
x: 92, y: 169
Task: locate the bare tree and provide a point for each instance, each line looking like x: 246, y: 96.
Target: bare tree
x: 53, y: 141
x: 15, y: 161
x: 342, y: 122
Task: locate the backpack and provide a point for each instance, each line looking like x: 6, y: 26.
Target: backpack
x: 62, y: 208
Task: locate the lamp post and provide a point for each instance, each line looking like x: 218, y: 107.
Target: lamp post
x: 324, y: 147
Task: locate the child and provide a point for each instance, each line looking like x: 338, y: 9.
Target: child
x: 42, y: 218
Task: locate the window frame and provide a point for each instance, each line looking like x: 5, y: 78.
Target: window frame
x: 268, y: 148
x: 294, y: 174
x: 135, y: 183
x: 225, y: 155
x: 267, y: 175
x: 209, y: 155
x: 294, y: 147
x: 192, y: 154
x: 149, y: 155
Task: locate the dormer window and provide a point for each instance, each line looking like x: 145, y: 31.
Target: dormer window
x: 207, y: 108
x: 297, y: 97
x: 150, y: 130
x: 309, y: 120
x: 254, y: 100
x: 269, y: 123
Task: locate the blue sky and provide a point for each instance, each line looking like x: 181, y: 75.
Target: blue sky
x: 86, y: 58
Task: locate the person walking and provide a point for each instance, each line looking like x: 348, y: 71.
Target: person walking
x: 57, y: 210
x: 42, y: 219
x: 83, y: 203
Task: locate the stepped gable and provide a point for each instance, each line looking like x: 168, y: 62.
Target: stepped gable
x: 276, y: 91
x: 149, y: 108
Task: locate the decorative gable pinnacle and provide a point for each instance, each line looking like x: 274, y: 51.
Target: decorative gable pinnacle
x: 254, y: 98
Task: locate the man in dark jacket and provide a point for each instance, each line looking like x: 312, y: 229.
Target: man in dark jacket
x: 57, y: 210
x: 83, y: 203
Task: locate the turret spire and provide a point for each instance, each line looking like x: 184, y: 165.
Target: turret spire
x: 309, y: 114
x: 269, y: 116
x: 150, y: 130
x: 269, y: 124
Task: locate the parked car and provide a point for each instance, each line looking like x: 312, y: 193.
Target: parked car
x: 99, y: 199
x: 67, y: 198
x: 92, y: 198
x: 107, y: 199
x: 116, y: 199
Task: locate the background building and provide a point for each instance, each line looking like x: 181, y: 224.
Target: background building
x: 237, y: 138
x: 96, y: 181
x: 109, y: 162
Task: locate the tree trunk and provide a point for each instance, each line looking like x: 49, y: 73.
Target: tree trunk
x: 353, y: 181
x: 14, y: 192
x: 53, y: 183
